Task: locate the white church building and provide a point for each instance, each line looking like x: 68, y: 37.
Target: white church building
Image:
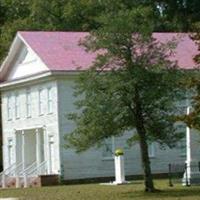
x: 37, y: 79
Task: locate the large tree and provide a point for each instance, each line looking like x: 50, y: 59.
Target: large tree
x: 192, y: 85
x: 132, y: 86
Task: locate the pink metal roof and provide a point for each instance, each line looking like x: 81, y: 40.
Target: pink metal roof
x: 61, y: 50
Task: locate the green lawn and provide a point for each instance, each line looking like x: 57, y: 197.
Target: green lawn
x: 98, y: 192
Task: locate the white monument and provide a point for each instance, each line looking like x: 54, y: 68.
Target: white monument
x: 119, y: 168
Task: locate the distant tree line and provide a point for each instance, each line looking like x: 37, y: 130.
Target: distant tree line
x: 84, y: 15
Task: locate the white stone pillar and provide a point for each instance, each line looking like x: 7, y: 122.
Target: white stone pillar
x: 38, y: 148
x: 119, y: 167
x: 119, y: 170
x: 23, y: 150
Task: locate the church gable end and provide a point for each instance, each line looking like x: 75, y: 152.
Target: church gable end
x: 27, y: 63
x: 21, y: 62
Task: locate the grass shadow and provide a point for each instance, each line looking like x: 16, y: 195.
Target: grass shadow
x: 167, y: 193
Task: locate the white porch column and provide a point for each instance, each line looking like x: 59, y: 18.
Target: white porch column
x: 45, y: 149
x: 38, y: 147
x: 50, y: 143
x: 23, y: 150
x: 16, y: 149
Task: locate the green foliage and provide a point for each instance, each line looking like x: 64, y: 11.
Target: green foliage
x: 82, y: 14
x: 49, y: 14
x: 119, y: 152
x: 134, y: 62
x: 192, y: 84
x: 179, y: 15
x: 15, y: 9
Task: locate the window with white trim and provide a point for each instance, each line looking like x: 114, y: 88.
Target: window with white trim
x: 151, y: 150
x: 17, y: 106
x: 28, y: 103
x: 40, y: 102
x: 50, y: 99
x: 9, y: 107
x: 108, y: 148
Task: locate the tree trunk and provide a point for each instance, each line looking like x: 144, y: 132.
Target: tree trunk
x: 149, y: 186
x: 148, y: 180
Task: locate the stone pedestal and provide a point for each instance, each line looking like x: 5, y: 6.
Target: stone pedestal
x: 119, y: 170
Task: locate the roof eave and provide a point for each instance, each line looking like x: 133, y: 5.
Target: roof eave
x: 36, y: 78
